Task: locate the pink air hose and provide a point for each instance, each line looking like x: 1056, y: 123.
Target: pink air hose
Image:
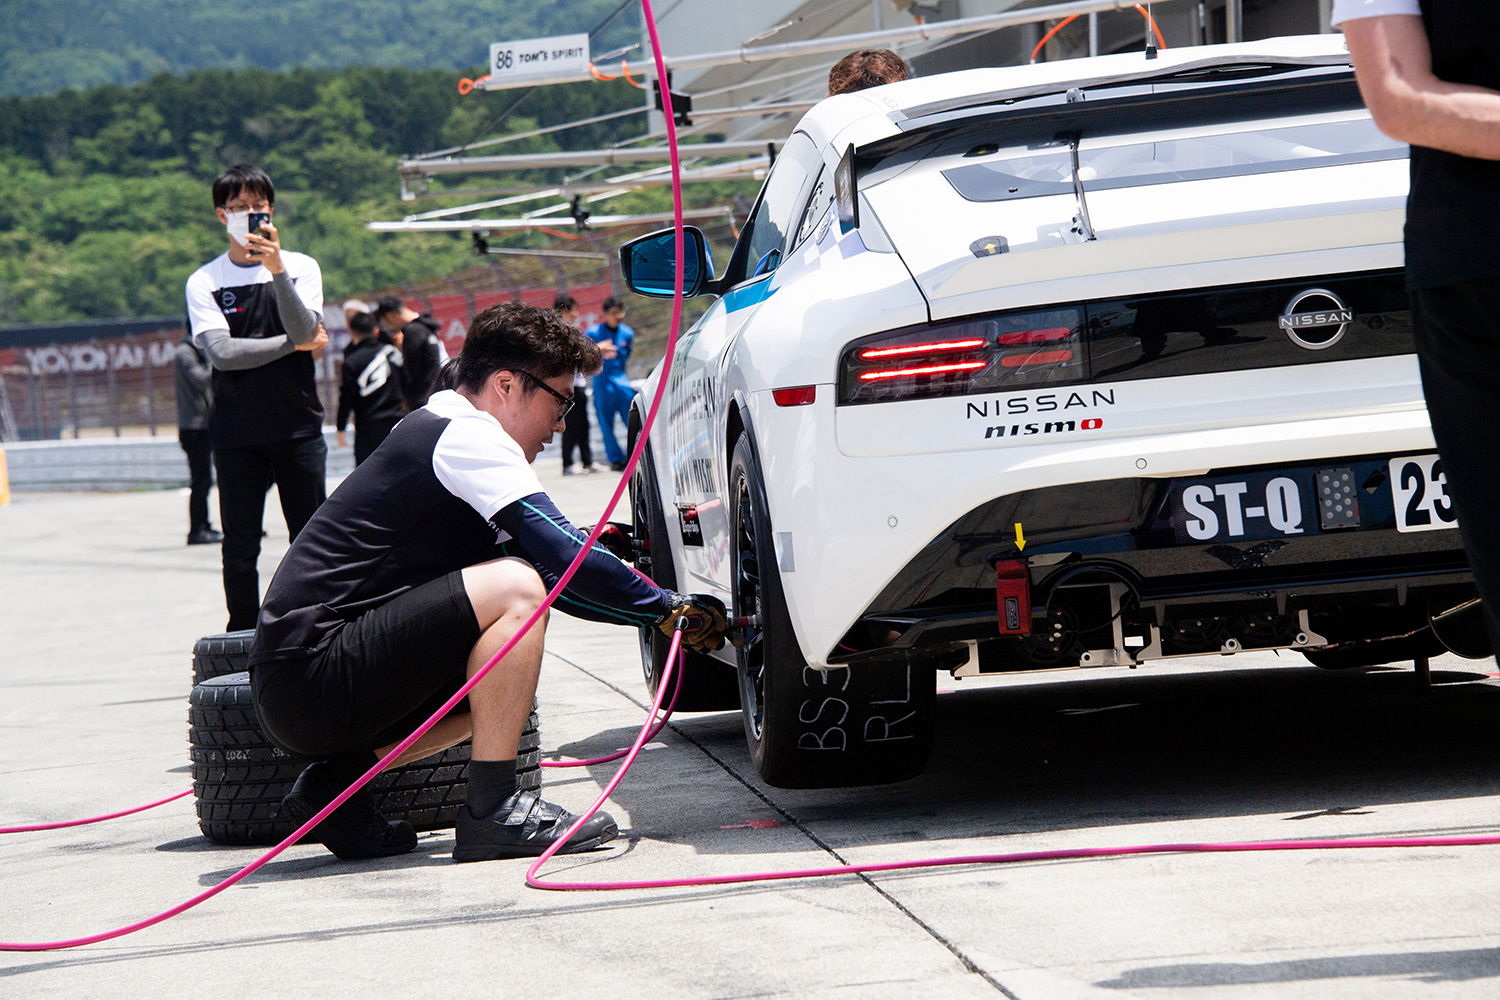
x: 95, y: 819
x: 651, y: 727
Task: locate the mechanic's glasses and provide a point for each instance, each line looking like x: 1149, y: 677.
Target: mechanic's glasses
x: 566, y: 401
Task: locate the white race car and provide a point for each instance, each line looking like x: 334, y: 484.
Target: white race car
x: 1093, y: 362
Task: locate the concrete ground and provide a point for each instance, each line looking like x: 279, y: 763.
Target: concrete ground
x: 100, y: 603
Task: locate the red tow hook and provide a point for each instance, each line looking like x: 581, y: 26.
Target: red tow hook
x: 1013, y: 596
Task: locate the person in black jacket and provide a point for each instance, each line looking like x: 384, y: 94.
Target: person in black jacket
x: 371, y: 388
x: 426, y: 560
x: 576, y: 436
x: 195, y: 395
x: 421, y: 350
x: 1429, y: 71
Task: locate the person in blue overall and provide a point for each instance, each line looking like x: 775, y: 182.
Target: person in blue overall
x: 612, y: 389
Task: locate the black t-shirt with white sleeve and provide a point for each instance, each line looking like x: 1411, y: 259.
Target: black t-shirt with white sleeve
x: 277, y: 401
x: 448, y: 489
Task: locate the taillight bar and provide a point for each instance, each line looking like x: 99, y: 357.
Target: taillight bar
x: 948, y: 345
x: 962, y: 366
x: 1035, y: 358
x: 1034, y: 336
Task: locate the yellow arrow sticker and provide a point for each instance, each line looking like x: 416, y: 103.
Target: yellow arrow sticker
x: 1020, y: 538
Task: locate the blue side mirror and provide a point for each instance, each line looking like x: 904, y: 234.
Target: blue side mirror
x: 649, y: 263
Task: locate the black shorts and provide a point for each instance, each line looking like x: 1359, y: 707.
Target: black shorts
x: 382, y: 675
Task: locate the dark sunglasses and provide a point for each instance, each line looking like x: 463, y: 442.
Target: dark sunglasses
x: 566, y: 401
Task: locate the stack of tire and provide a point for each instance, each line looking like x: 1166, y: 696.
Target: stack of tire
x: 239, y: 778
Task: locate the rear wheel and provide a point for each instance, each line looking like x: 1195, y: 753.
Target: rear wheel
x: 810, y: 728
x: 708, y: 685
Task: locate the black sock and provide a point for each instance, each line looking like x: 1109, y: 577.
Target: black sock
x: 491, y: 782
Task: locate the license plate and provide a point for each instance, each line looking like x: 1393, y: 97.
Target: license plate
x: 1250, y: 507
x: 1419, y: 490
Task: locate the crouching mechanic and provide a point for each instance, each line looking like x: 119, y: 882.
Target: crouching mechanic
x: 422, y: 564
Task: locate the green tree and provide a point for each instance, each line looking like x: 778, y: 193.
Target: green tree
x: 137, y: 143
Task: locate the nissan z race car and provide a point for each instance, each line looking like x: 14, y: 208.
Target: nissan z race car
x: 1088, y: 363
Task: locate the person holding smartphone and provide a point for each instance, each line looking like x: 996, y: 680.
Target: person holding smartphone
x: 255, y: 312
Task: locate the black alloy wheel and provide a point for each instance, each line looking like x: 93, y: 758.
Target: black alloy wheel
x: 708, y: 685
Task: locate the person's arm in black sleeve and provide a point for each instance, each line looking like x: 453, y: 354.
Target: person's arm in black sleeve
x: 300, y: 322
x: 348, y: 392
x: 604, y: 589
x: 232, y: 354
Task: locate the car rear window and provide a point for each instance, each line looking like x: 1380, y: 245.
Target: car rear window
x: 1123, y: 163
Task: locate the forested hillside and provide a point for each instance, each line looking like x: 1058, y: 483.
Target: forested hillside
x: 104, y: 193
x: 46, y: 46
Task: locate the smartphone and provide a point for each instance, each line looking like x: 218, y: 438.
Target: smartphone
x: 253, y: 222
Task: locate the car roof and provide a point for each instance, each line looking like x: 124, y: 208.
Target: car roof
x: 879, y: 112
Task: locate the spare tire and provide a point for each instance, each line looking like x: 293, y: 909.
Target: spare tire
x: 239, y: 778
x: 217, y: 655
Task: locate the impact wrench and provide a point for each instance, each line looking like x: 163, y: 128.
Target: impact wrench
x: 673, y: 664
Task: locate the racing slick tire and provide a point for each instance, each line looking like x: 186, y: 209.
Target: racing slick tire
x: 708, y: 685
x: 239, y: 778
x: 216, y: 655
x: 862, y: 725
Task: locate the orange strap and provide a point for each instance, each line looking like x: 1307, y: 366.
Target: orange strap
x: 1161, y: 42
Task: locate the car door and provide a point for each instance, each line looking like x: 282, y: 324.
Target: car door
x: 696, y: 393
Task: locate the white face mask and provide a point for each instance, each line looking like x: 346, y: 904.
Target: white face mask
x: 238, y: 225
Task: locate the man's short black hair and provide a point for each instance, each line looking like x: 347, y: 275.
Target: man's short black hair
x: 564, y: 301
x: 517, y: 337
x: 611, y: 303
x: 389, y: 304
x: 243, y: 177
x: 362, y: 324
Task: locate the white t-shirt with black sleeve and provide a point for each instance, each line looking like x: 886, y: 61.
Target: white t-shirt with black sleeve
x: 448, y: 489
x: 277, y: 401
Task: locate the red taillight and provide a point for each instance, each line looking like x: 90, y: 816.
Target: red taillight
x: 1035, y: 336
x: 1035, y: 358
x: 962, y: 366
x: 801, y: 395
x: 947, y: 345
x: 994, y: 354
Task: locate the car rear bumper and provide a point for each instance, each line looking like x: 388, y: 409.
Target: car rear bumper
x: 856, y: 534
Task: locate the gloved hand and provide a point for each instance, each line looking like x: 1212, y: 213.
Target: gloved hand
x: 709, y: 621
x: 619, y: 539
